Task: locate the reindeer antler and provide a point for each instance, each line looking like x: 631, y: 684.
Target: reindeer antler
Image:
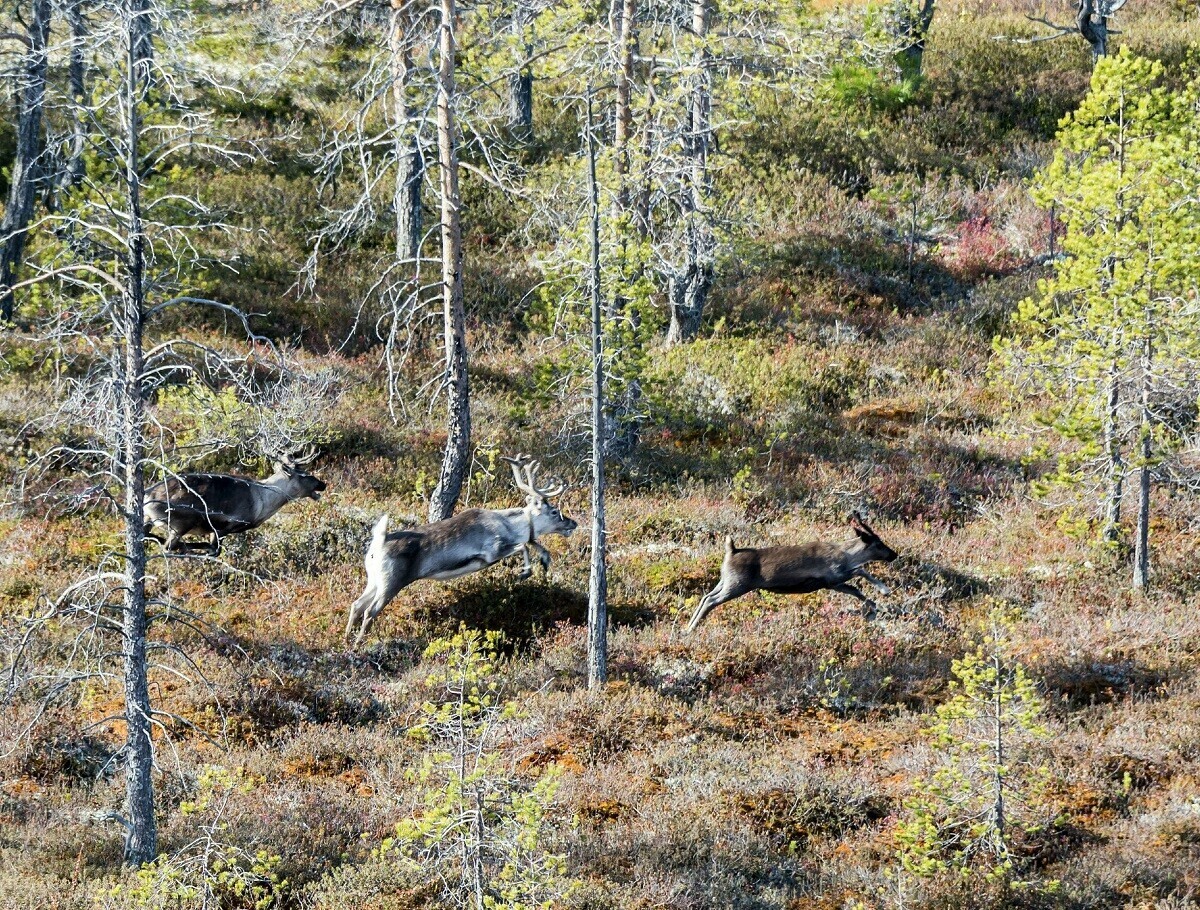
x: 307, y: 455
x: 292, y: 459
x: 528, y: 484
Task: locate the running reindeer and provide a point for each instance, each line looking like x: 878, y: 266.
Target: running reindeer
x: 798, y: 570
x: 459, y: 545
x: 224, y: 504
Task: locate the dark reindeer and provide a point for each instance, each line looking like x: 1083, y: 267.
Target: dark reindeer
x: 798, y: 570
x: 459, y: 545
x: 224, y: 504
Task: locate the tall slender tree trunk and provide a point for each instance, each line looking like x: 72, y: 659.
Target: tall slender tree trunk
x: 410, y: 165
x: 143, y: 36
x: 26, y: 167
x: 688, y: 290
x: 598, y: 581
x: 141, y: 836
x: 458, y: 438
x: 626, y: 425
x: 1141, y: 552
x: 520, y: 81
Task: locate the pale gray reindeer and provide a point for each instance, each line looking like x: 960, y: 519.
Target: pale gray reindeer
x: 798, y: 570
x: 464, y: 543
x: 224, y: 504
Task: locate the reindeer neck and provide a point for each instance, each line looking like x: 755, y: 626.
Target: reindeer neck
x: 280, y: 491
x: 855, y: 555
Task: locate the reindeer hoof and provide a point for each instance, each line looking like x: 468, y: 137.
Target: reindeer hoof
x: 524, y: 574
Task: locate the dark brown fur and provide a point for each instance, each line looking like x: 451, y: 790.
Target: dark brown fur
x: 799, y: 569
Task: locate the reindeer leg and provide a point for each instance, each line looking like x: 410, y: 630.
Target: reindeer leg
x: 874, y: 582
x: 868, y: 605
x: 357, y: 609
x: 714, y: 598
x: 543, y: 558
x: 527, y: 566
x: 214, y: 548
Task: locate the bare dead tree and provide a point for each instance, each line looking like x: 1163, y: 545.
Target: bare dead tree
x: 1092, y: 23
x: 27, y: 162
x: 457, y: 455
x: 597, y: 649
x: 109, y: 286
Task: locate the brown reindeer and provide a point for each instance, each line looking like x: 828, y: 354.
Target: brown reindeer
x: 803, y: 569
x: 224, y: 504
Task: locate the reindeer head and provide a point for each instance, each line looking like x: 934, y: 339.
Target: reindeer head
x: 300, y: 482
x: 876, y: 550
x: 547, y: 517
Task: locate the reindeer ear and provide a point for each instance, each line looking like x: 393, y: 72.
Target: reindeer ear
x: 860, y: 527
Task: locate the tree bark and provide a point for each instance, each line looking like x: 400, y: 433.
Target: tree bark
x: 457, y: 455
x: 688, y: 290
x: 141, y: 836
x: 597, y: 654
x: 410, y: 165
x: 624, y: 107
x: 914, y: 23
x: 520, y: 81
x: 26, y: 168
x: 74, y: 172
x: 1093, y: 26
x: 1116, y: 462
x: 1141, y: 552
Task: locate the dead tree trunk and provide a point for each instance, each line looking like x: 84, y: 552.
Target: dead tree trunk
x: 141, y: 836
x: 73, y: 173
x: 688, y: 288
x: 913, y: 21
x: 1093, y: 26
x: 624, y: 25
x: 410, y: 166
x: 520, y: 81
x: 598, y: 579
x: 458, y: 436
x: 26, y: 168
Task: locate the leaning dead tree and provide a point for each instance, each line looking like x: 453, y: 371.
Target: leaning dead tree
x: 26, y: 173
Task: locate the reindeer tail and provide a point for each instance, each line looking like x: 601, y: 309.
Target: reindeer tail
x: 729, y: 547
x: 378, y: 536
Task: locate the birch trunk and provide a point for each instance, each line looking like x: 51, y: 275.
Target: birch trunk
x: 456, y: 458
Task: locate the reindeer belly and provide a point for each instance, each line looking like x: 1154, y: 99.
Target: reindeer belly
x: 799, y: 586
x: 466, y: 568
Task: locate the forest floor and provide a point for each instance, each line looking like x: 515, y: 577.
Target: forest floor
x: 763, y: 761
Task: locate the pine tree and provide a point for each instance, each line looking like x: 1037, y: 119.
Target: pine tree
x: 1107, y: 346
x: 966, y: 814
